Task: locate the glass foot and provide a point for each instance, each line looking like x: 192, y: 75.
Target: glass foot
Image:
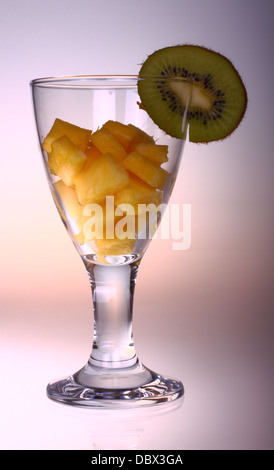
x: 97, y: 387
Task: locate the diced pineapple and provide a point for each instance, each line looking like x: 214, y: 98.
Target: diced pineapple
x: 99, y: 220
x: 79, y: 238
x: 105, y: 141
x: 140, y: 136
x: 138, y: 192
x: 73, y: 208
x: 125, y: 228
x: 92, y: 222
x: 65, y: 159
x: 92, y: 154
x: 123, y: 133
x: 155, y: 153
x: 69, y: 199
x: 114, y: 247
x: 76, y: 134
x: 148, y: 171
x: 104, y: 177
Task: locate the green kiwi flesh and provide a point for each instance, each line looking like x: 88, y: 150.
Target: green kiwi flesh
x: 193, y: 83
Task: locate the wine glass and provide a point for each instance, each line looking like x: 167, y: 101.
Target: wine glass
x: 69, y: 111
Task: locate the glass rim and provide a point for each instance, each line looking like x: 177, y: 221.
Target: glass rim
x: 98, y: 81
x: 86, y: 81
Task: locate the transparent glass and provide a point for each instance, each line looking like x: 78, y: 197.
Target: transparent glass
x: 113, y: 375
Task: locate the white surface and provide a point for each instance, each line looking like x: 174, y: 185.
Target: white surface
x: 224, y: 366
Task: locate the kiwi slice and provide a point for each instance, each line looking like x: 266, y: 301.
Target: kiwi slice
x: 194, y: 83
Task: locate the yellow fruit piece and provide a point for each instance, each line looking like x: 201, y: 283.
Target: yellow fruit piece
x: 76, y: 134
x: 104, y: 177
x: 99, y: 220
x: 72, y: 207
x: 146, y: 170
x: 91, y: 223
x: 65, y: 160
x: 105, y: 142
x: 138, y: 192
x: 123, y: 133
x: 114, y: 247
x: 140, y: 136
x: 92, y: 154
x: 79, y: 238
x: 69, y: 199
x: 155, y: 153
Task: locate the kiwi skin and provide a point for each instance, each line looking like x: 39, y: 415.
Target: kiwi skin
x: 211, y: 74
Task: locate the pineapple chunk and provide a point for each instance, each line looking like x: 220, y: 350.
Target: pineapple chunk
x: 92, y: 154
x: 114, y: 247
x: 65, y: 159
x: 155, y: 153
x: 104, y: 177
x: 92, y: 222
x: 140, y: 136
x: 138, y: 192
x: 72, y: 207
x: 77, y: 135
x: 105, y: 142
x: 148, y: 171
x: 69, y: 199
x: 104, y: 221
x: 123, y: 133
x: 99, y: 220
x: 79, y: 238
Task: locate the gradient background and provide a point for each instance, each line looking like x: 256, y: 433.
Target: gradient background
x: 210, y: 307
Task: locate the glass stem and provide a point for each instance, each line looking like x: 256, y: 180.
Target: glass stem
x: 112, y: 291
